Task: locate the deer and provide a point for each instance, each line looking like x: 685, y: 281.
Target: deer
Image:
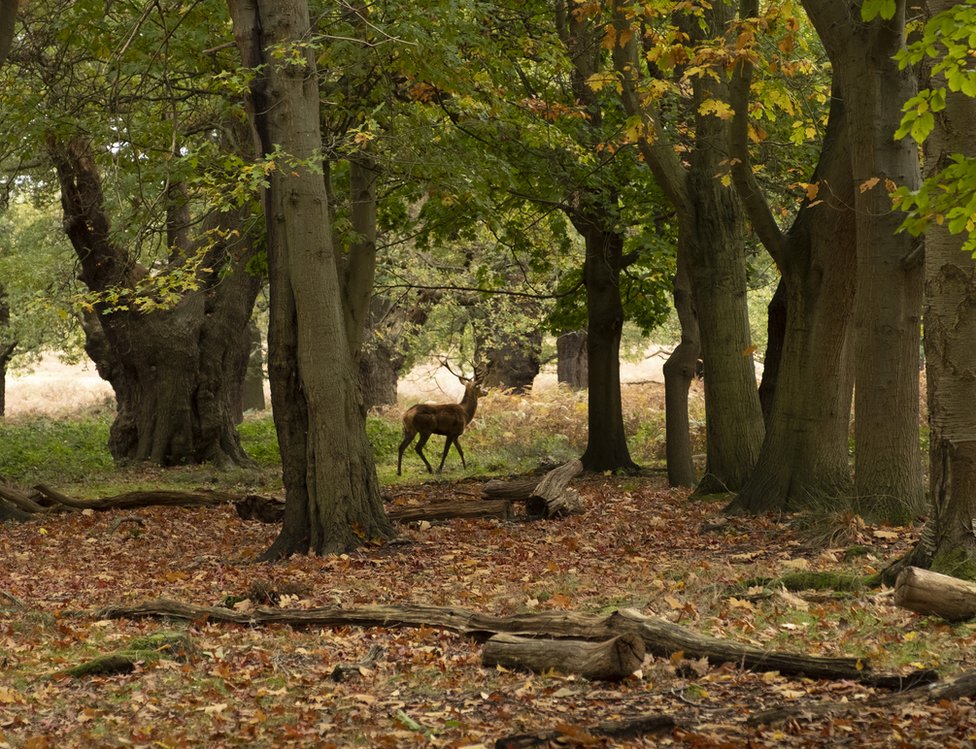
x: 448, y: 419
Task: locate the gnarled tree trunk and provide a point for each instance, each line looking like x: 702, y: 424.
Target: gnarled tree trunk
x: 175, y: 371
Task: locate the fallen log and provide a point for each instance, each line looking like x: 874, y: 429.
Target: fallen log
x: 960, y: 686
x: 547, y: 498
x: 484, y: 508
x: 19, y: 500
x: 272, y: 510
x: 136, y: 499
x: 147, y: 649
x: 610, y: 660
x: 627, y: 728
x: 660, y: 637
x: 927, y: 592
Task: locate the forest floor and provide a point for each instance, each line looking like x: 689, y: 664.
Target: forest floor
x: 637, y: 545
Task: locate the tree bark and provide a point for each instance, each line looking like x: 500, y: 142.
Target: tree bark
x: 606, y: 445
x: 804, y: 457
x: 571, y: 366
x: 949, y: 545
x: 175, y: 371
x: 926, y: 592
x: 7, y: 346
x: 888, y: 474
x: 8, y: 17
x: 252, y: 393
x: 610, y: 660
x: 511, y: 361
x: 709, y: 221
x: 332, y: 499
x: 679, y: 371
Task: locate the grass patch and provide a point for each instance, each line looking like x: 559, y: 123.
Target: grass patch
x: 45, y: 450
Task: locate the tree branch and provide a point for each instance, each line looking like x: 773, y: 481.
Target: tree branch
x: 746, y: 185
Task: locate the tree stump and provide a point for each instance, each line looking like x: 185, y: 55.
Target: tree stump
x: 927, y: 592
x: 610, y: 660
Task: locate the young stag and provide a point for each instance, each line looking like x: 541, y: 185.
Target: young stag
x: 448, y: 419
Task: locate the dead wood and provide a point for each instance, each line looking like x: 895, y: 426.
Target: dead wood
x: 626, y: 728
x: 547, y: 498
x: 485, y: 508
x: 927, y: 592
x: 661, y: 638
x: 610, y: 660
x: 960, y: 686
x: 272, y: 510
x: 344, y: 670
x: 19, y: 500
x: 133, y: 500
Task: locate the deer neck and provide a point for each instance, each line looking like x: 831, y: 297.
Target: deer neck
x: 469, y: 403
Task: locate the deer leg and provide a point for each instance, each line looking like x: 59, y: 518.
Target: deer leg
x: 424, y: 436
x: 447, y: 446
x: 460, y: 452
x: 407, y: 439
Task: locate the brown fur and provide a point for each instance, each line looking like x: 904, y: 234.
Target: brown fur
x: 448, y: 419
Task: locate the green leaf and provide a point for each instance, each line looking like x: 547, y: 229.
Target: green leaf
x: 871, y: 9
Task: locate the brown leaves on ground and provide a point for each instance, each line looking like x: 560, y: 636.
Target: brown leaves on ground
x: 637, y: 545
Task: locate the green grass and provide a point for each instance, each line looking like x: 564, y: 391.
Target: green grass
x: 510, y: 435
x: 57, y: 451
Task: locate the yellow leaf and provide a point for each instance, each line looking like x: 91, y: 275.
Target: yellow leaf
x: 811, y: 190
x: 890, y: 185
x: 868, y: 184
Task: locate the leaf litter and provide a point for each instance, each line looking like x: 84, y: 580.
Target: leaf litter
x: 637, y: 545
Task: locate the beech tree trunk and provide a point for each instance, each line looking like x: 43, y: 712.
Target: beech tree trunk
x: 679, y: 371
x: 332, y: 499
x: 7, y: 347
x: 949, y: 544
x: 887, y: 463
x: 510, y: 360
x: 804, y: 456
x: 709, y: 225
x: 176, y: 372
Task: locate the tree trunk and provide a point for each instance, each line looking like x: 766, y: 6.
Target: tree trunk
x: 610, y: 660
x: 949, y: 545
x: 887, y: 462
x: 379, y: 372
x: 7, y: 347
x: 733, y: 418
x: 332, y: 499
x: 8, y: 17
x: 929, y: 593
x: 571, y: 360
x: 510, y: 360
x: 776, y: 316
x: 606, y: 446
x: 679, y: 371
x: 804, y: 456
x: 252, y: 393
x: 175, y: 371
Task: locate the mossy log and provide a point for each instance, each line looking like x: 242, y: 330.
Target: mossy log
x: 133, y: 500
x: 610, y: 660
x: 148, y: 649
x: 661, y: 638
x: 927, y: 592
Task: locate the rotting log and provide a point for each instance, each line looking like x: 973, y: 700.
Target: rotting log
x: 661, y: 638
x: 20, y: 500
x: 484, y: 508
x: 927, y: 592
x: 625, y: 728
x: 133, y: 500
x: 147, y: 649
x: 610, y: 660
x: 547, y: 498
